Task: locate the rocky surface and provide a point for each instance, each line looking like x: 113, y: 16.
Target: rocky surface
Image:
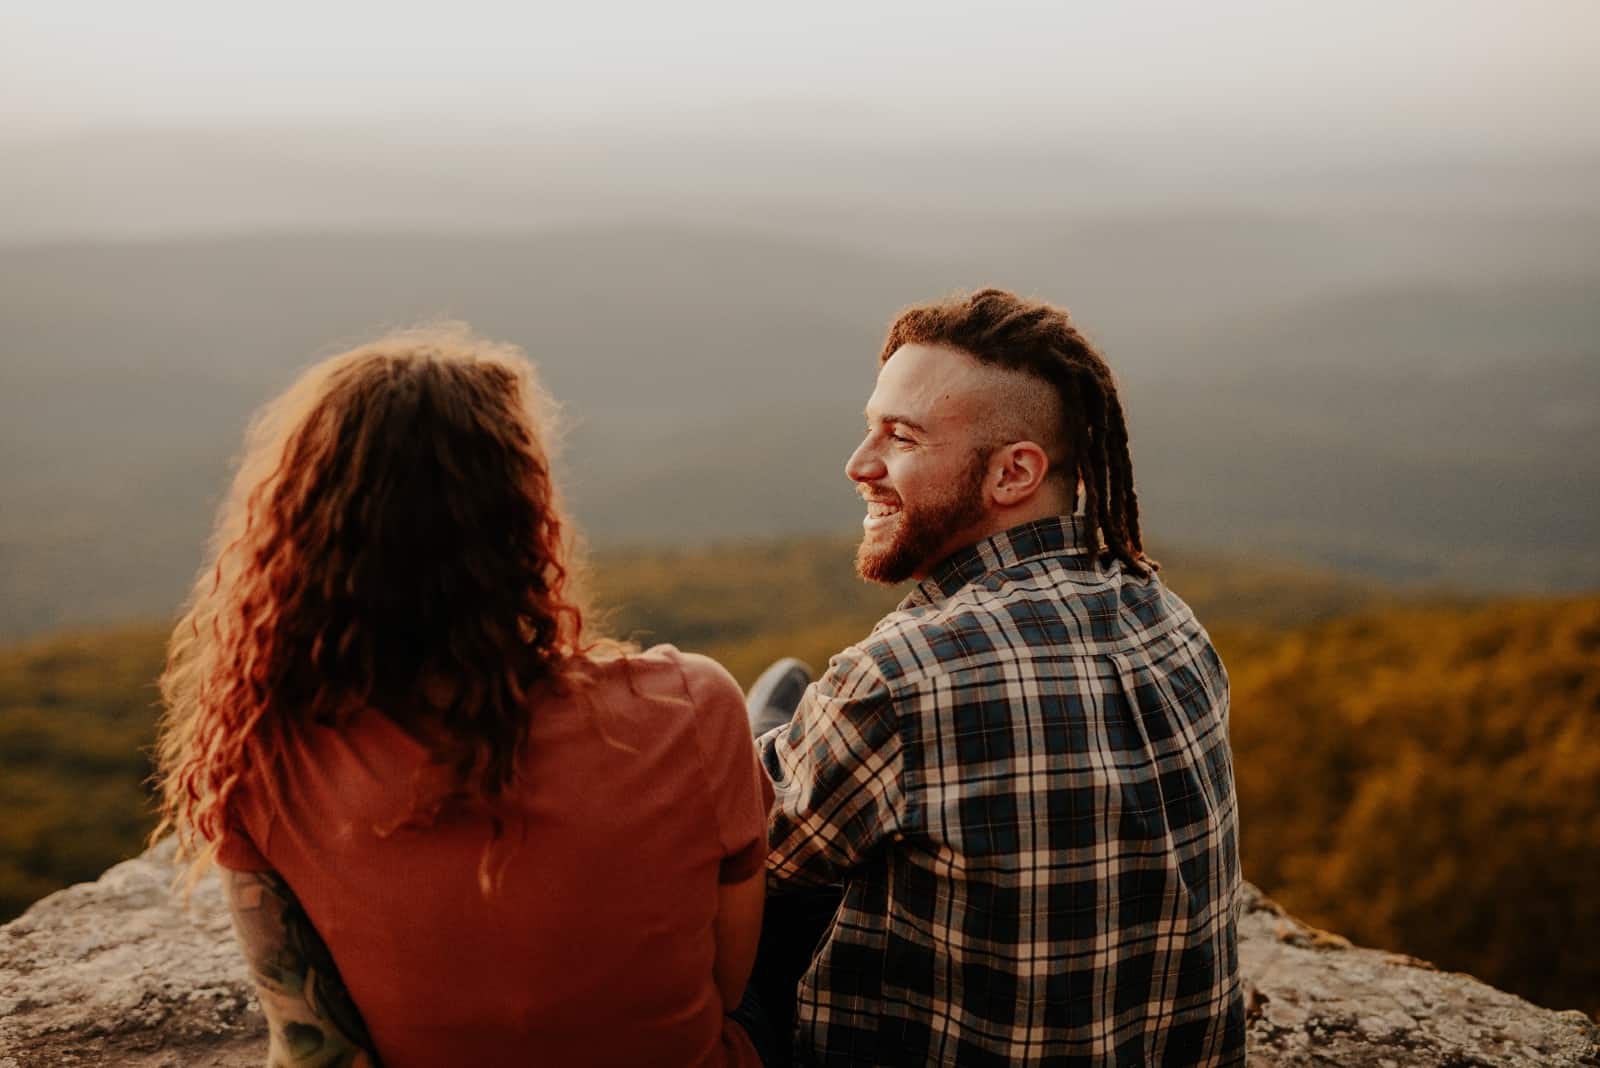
x: 1314, y: 999
x: 116, y: 972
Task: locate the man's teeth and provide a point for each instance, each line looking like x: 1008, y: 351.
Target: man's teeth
x: 881, y: 508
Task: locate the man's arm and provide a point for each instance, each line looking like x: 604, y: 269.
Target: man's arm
x: 837, y: 771
x: 312, y: 1021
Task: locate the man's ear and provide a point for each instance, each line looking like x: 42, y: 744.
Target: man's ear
x: 1018, y: 471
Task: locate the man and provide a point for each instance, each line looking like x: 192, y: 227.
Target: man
x: 1021, y: 777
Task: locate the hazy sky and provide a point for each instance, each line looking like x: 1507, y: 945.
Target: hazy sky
x: 179, y: 117
x: 1522, y: 71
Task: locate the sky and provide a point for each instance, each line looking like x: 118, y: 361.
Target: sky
x: 1522, y: 72
x: 176, y: 117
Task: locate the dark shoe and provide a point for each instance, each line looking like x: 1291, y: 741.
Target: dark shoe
x: 773, y: 699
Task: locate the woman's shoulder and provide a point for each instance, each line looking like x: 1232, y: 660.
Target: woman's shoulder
x: 700, y: 671
x: 666, y: 670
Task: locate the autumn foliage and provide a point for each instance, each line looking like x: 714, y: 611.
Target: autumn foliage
x: 1424, y: 778
x: 1429, y: 781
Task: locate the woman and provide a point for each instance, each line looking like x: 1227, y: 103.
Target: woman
x: 453, y: 828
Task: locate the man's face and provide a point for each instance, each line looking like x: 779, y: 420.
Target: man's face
x: 920, y: 468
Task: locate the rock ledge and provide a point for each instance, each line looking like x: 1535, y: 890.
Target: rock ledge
x: 115, y: 972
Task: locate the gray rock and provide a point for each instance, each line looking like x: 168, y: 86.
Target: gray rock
x: 1314, y: 999
x: 117, y: 972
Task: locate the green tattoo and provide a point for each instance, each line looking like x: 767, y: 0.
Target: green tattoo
x: 313, y: 1021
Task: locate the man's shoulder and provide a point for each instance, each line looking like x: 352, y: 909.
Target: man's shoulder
x: 914, y: 642
x: 1066, y: 611
x: 859, y: 671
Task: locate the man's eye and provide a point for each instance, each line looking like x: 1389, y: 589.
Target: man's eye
x: 900, y: 439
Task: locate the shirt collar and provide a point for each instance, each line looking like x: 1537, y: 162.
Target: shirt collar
x: 1060, y: 535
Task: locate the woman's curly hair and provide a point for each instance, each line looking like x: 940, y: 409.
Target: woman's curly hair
x: 392, y: 540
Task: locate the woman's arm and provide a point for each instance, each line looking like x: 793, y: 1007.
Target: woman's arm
x: 312, y: 1021
x: 738, y: 934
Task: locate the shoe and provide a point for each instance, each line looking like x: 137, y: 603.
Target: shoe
x: 773, y: 699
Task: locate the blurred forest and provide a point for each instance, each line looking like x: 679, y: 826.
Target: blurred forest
x: 1420, y: 773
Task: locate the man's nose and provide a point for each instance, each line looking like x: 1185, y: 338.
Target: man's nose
x: 864, y: 465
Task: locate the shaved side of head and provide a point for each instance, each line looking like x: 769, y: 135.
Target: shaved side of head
x: 1018, y: 406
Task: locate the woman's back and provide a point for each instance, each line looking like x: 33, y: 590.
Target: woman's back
x: 633, y: 800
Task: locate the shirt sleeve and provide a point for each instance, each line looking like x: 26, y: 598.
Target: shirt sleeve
x: 837, y: 772
x: 236, y: 848
x: 741, y: 794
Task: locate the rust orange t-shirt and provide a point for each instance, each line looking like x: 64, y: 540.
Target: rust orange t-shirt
x: 598, y: 946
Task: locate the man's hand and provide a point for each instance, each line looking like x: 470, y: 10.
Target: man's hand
x: 312, y: 1021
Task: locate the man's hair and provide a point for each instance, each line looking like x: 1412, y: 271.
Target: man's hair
x: 392, y: 532
x: 1000, y: 329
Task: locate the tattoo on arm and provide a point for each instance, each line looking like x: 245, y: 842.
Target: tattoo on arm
x: 313, y: 1021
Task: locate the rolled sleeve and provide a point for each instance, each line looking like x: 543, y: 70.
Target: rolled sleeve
x: 837, y: 772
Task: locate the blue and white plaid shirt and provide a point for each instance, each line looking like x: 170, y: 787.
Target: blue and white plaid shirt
x: 1022, y: 778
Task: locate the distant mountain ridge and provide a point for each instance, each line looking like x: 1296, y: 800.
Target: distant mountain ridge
x: 1324, y: 388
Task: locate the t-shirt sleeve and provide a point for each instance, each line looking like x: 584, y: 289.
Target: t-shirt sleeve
x: 236, y: 846
x: 741, y: 793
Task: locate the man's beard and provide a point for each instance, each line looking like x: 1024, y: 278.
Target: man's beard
x: 925, y: 529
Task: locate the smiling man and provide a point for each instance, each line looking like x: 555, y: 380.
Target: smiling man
x: 1021, y: 778
x: 935, y: 425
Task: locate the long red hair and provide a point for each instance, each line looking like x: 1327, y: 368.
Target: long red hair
x: 392, y: 540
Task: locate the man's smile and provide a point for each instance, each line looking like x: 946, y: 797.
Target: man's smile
x: 880, y: 512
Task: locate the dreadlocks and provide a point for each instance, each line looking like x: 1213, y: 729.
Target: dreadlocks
x: 1001, y: 329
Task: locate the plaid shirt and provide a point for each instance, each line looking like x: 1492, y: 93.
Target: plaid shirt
x: 1022, y: 778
